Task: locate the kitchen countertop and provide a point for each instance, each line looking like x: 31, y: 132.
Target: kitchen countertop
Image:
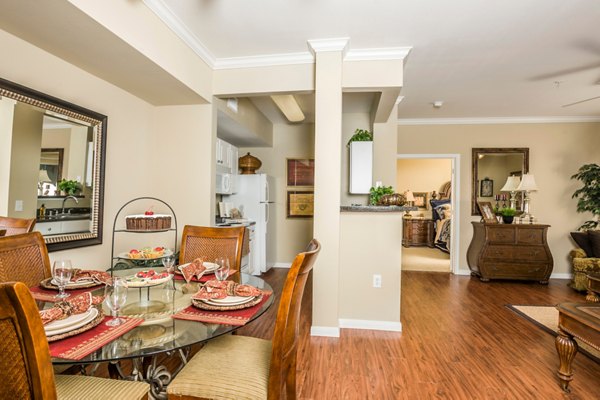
x: 53, y: 218
x: 235, y: 223
x: 384, y: 209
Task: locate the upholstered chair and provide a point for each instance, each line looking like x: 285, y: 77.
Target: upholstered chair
x: 25, y: 367
x: 240, y: 367
x: 16, y: 226
x: 582, y: 266
x: 24, y: 258
x: 210, y: 243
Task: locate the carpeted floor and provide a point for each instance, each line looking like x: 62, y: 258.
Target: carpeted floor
x: 546, y: 317
x: 425, y: 259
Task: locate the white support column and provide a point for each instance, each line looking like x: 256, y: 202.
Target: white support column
x: 328, y: 146
x: 7, y: 110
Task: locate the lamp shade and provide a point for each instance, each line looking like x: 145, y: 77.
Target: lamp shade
x: 511, y: 185
x: 528, y: 183
x: 409, y: 196
x: 43, y: 176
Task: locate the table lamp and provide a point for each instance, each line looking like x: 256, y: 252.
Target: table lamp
x: 527, y: 185
x: 410, y: 198
x: 511, y: 185
x: 42, y: 178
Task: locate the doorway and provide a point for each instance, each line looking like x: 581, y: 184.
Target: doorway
x: 430, y: 239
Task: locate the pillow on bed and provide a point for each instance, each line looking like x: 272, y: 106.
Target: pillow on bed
x: 443, y: 211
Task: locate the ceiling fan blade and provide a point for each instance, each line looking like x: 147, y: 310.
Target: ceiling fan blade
x: 581, y: 101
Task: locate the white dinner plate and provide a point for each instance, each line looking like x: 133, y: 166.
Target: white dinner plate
x: 135, y: 282
x: 210, y: 267
x: 74, y: 285
x: 230, y: 301
x: 70, y: 323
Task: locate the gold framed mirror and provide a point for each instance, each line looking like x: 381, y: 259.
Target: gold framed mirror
x: 52, y: 140
x: 491, y: 167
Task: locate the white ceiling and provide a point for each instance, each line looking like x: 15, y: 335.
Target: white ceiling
x: 482, y: 58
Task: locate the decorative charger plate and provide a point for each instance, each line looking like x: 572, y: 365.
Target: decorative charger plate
x: 47, y: 284
x: 96, y: 321
x: 210, y: 307
x: 72, y: 322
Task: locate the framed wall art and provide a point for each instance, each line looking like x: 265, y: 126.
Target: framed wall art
x: 487, y: 212
x: 300, y: 204
x: 487, y: 188
x: 421, y: 200
x: 300, y: 172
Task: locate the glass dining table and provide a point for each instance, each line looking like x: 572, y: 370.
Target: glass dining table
x: 158, y: 334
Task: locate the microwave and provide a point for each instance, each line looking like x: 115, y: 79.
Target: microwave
x: 225, y: 183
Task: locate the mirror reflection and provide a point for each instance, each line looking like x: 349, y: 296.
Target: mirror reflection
x: 54, y: 164
x: 491, y: 169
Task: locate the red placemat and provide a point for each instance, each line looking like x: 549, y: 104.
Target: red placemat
x: 204, y: 278
x: 234, y: 317
x: 42, y: 294
x: 78, y: 346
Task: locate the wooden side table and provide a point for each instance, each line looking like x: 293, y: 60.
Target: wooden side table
x: 575, y: 320
x: 593, y: 288
x: 417, y: 232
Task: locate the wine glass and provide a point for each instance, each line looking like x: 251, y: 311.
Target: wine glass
x: 168, y: 262
x: 115, y: 296
x: 62, y: 270
x: 222, y: 272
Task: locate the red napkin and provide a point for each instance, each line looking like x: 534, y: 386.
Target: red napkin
x: 193, y: 269
x: 75, y: 305
x: 82, y: 275
x: 219, y: 290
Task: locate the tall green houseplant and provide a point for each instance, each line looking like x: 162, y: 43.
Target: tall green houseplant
x: 589, y: 195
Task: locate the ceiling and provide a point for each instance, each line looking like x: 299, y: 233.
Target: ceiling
x: 482, y: 59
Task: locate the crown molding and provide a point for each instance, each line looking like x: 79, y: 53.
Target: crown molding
x: 264, y: 60
x: 321, y: 45
x: 388, y: 53
x: 495, y: 120
x: 164, y: 13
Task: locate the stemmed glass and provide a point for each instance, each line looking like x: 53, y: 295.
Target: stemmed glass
x: 115, y: 296
x: 222, y: 272
x: 168, y: 262
x: 62, y: 272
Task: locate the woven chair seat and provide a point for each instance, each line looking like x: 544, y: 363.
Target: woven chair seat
x: 230, y: 367
x: 76, y: 387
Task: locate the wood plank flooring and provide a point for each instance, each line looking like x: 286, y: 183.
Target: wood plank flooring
x: 459, y: 341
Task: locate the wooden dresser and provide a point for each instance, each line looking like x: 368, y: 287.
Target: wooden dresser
x: 510, y: 251
x: 417, y: 232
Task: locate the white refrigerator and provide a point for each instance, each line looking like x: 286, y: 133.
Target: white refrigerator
x: 253, y: 199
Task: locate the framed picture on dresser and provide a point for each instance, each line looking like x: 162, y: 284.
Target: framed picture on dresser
x: 487, y: 212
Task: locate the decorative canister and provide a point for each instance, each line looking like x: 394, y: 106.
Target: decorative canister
x: 249, y: 164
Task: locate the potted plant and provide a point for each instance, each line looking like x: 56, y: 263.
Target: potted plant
x: 70, y: 187
x: 361, y: 135
x: 589, y: 195
x: 508, y: 215
x: 376, y: 193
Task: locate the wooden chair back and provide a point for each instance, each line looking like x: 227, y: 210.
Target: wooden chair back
x: 210, y: 243
x: 282, y: 376
x: 2, y: 232
x: 25, y: 365
x: 16, y: 226
x: 24, y: 258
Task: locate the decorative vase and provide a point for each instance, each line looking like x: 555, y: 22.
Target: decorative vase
x: 249, y: 164
x: 508, y: 219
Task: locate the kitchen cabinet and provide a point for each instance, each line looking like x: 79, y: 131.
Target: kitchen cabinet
x: 226, y: 157
x: 361, y: 167
x: 58, y: 227
x: 510, y: 251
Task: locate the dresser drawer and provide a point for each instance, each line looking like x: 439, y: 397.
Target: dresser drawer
x: 516, y: 270
x: 530, y: 236
x: 515, y: 253
x: 501, y: 235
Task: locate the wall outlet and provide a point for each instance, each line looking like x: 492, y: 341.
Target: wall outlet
x: 376, y: 281
x: 19, y: 205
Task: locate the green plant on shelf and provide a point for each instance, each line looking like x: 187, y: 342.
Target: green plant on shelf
x: 508, y: 212
x: 376, y: 193
x: 361, y: 135
x: 70, y: 187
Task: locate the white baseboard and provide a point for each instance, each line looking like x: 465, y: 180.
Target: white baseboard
x: 371, y: 325
x: 463, y: 272
x: 282, y: 265
x: 561, y: 276
x: 328, y: 331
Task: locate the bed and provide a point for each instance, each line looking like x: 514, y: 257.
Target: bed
x: 441, y: 211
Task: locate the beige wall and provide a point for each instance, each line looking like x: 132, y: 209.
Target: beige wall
x: 350, y: 123
x: 556, y: 152
x: 289, y: 141
x: 249, y: 117
x: 7, y: 110
x: 26, y: 144
x: 422, y: 175
x: 138, y: 134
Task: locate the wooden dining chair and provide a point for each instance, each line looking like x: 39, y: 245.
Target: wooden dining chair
x: 24, y: 258
x: 16, y: 226
x: 209, y: 243
x: 25, y: 367
x: 240, y: 367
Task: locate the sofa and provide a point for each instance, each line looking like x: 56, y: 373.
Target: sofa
x: 582, y: 265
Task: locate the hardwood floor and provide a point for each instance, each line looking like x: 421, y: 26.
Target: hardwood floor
x: 459, y: 341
